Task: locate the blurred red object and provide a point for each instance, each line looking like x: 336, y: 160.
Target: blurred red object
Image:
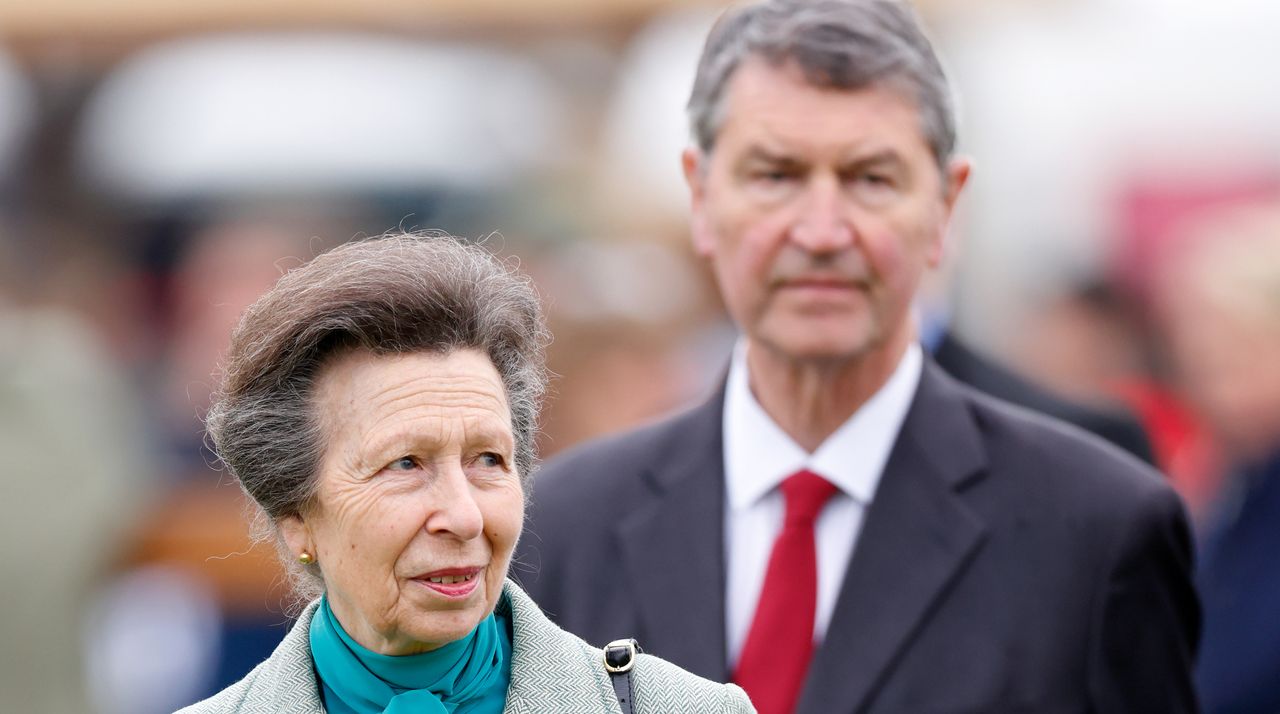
x: 1153, y: 209
x: 1183, y: 447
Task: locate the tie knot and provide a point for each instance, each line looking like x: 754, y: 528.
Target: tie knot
x: 806, y: 493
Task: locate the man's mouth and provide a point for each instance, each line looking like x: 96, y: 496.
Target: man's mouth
x: 821, y: 285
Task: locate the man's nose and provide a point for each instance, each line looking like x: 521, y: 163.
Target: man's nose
x: 453, y: 505
x: 821, y: 225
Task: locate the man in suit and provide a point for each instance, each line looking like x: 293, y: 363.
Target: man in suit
x: 842, y: 527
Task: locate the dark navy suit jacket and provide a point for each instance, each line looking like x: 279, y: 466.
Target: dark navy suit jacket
x: 1239, y: 671
x: 1009, y: 563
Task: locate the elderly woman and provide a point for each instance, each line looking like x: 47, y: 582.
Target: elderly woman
x: 380, y: 405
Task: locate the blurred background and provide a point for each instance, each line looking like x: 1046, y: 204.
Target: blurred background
x: 161, y: 164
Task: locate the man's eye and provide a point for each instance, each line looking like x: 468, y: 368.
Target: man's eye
x: 777, y: 176
x: 873, y: 179
x: 404, y: 463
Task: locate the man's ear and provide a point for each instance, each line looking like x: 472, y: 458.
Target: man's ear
x: 956, y: 176
x: 297, y: 535
x: 694, y: 163
x: 958, y: 170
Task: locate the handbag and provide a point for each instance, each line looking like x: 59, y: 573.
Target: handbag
x: 619, y: 658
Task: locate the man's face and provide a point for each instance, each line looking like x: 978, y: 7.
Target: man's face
x: 819, y: 210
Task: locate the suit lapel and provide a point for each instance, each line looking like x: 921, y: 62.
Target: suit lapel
x: 672, y: 547
x: 917, y: 538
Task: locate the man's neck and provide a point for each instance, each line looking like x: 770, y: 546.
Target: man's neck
x: 810, y: 399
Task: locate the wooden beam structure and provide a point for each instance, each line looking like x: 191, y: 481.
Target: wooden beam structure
x: 24, y: 20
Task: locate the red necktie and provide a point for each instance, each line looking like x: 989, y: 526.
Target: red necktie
x: 780, y: 644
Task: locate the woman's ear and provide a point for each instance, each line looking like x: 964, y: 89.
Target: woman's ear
x: 296, y: 535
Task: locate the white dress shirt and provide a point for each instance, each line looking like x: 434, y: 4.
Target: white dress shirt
x: 759, y: 455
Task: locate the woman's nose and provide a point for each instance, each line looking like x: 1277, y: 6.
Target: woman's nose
x: 454, y: 508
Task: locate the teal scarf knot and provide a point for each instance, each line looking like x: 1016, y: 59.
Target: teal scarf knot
x: 469, y: 676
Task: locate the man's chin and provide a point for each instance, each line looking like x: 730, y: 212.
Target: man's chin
x: 827, y: 349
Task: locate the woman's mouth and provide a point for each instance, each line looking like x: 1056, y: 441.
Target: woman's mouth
x: 452, y: 582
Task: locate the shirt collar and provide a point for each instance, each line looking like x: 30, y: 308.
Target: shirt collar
x: 759, y: 455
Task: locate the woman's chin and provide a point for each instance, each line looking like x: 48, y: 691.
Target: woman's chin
x: 432, y: 630
x: 439, y: 613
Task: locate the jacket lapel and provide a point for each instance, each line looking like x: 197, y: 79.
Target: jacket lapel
x: 917, y: 538
x: 546, y: 663
x: 672, y: 546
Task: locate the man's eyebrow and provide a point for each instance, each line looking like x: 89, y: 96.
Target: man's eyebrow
x: 882, y: 157
x: 760, y: 154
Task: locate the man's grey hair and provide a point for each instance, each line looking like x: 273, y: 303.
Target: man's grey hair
x: 394, y: 294
x: 841, y: 44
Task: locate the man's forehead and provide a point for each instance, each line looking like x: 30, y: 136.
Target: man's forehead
x: 870, y: 153
x: 775, y: 106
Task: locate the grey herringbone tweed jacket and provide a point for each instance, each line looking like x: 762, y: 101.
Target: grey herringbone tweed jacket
x: 552, y: 672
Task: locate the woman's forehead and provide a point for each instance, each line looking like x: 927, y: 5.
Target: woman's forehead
x: 366, y: 391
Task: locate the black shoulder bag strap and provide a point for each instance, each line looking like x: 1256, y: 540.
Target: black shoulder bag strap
x: 619, y: 658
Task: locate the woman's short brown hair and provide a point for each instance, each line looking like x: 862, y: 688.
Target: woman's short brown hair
x: 397, y: 293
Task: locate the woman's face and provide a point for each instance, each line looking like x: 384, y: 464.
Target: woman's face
x: 419, y: 505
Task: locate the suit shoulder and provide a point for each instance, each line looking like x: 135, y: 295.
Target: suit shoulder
x: 548, y: 661
x: 1073, y: 461
x: 578, y: 498
x: 660, y: 686
x: 598, y: 464
x: 1110, y: 421
x: 285, y: 681
x: 229, y: 700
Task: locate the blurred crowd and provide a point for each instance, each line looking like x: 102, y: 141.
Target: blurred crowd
x: 1121, y: 247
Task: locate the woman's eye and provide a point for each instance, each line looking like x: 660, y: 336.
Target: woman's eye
x: 491, y: 460
x: 404, y: 463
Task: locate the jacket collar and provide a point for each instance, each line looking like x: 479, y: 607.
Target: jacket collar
x: 544, y: 658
